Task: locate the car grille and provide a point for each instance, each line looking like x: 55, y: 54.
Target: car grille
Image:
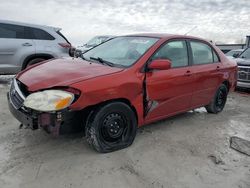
x: 244, y: 73
x: 16, y: 96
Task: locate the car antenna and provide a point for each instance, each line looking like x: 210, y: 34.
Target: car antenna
x: 193, y: 28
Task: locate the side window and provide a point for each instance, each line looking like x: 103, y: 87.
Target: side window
x: 202, y: 53
x: 216, y: 58
x: 12, y: 31
x: 39, y: 34
x: 176, y: 51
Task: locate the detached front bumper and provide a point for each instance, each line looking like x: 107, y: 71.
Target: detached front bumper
x: 59, y: 122
x: 55, y: 123
x: 22, y: 116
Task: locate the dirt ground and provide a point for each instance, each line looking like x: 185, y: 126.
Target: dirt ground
x: 190, y: 150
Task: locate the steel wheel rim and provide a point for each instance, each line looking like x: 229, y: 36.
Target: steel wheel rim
x: 114, y: 128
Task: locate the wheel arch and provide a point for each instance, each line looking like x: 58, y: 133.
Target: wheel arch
x: 34, y: 56
x: 88, y: 109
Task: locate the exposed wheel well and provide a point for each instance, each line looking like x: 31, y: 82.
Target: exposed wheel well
x: 31, y: 57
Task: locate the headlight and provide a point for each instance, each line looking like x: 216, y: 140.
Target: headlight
x: 49, y: 100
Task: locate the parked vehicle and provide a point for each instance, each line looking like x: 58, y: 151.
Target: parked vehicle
x: 122, y: 84
x: 243, y: 62
x: 92, y: 43
x: 23, y: 44
x: 234, y: 53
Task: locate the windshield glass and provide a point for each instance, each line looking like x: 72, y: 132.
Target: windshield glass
x: 232, y: 52
x: 123, y: 51
x: 245, y: 54
x: 96, y: 40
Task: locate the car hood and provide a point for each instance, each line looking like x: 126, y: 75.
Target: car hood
x: 242, y: 62
x: 62, y: 72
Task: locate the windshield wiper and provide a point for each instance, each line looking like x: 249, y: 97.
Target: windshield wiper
x: 102, y: 61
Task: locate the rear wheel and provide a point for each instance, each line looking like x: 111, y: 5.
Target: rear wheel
x: 219, y: 100
x: 111, y: 127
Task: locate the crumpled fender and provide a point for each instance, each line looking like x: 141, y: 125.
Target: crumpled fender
x: 111, y: 87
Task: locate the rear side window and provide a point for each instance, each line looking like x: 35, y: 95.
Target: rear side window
x: 40, y: 34
x: 203, y: 53
x: 23, y: 32
x: 176, y: 51
x: 12, y: 31
x: 216, y: 58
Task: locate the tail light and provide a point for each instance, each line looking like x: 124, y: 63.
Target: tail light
x: 65, y: 45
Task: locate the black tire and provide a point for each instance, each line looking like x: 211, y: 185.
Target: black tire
x: 219, y: 100
x: 111, y: 127
x: 34, y: 61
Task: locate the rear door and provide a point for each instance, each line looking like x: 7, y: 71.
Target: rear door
x: 169, y: 91
x: 15, y: 43
x: 206, y: 68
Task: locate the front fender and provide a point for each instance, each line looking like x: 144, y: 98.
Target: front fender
x: 112, y: 87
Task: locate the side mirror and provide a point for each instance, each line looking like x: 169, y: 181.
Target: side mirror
x: 235, y: 55
x: 72, y: 51
x: 160, y: 64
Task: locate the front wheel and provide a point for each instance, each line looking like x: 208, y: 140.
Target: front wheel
x: 111, y: 127
x: 219, y: 100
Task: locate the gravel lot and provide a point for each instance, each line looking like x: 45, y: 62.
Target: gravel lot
x: 189, y: 150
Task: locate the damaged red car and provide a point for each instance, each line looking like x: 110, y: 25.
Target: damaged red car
x: 122, y: 84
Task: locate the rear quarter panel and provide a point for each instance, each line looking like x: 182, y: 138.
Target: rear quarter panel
x: 229, y: 70
x: 232, y: 71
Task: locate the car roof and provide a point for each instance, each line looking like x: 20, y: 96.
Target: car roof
x: 29, y: 25
x: 165, y: 36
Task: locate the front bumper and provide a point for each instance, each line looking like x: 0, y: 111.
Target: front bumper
x: 22, y: 116
x: 56, y: 123
x: 243, y: 84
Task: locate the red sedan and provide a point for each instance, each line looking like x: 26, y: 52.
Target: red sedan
x: 122, y: 84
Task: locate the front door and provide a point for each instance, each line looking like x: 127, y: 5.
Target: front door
x: 169, y: 91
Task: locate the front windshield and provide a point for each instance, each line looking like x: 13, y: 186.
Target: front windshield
x: 245, y: 54
x: 95, y: 41
x: 232, y: 52
x: 123, y: 51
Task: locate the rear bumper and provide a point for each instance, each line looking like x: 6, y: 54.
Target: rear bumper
x: 243, y: 84
x: 56, y: 123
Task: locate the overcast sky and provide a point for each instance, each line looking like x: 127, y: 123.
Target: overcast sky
x: 217, y: 20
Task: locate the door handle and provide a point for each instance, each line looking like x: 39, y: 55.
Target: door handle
x: 26, y: 44
x: 218, y: 68
x: 188, y: 73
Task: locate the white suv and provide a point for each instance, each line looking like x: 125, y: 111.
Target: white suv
x: 23, y: 44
